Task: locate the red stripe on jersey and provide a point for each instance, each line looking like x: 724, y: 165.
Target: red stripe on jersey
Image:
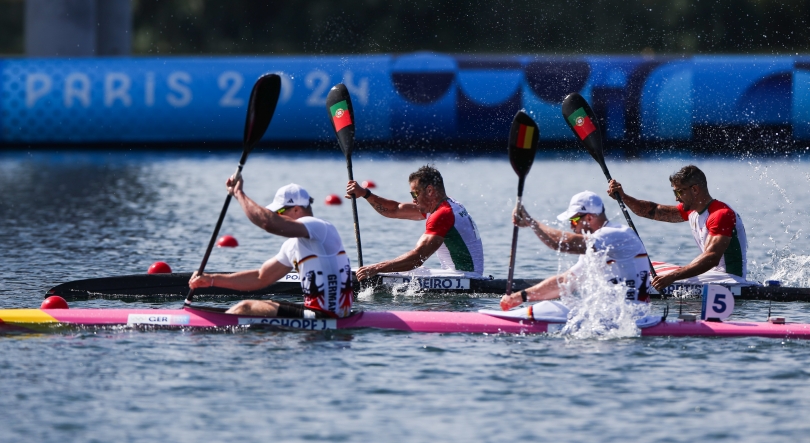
x: 441, y: 221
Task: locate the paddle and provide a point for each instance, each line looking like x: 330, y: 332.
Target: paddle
x: 580, y: 117
x: 341, y: 114
x: 523, y: 136
x: 262, y: 105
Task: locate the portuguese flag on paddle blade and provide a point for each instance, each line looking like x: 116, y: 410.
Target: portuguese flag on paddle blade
x: 340, y: 115
x: 581, y: 123
x: 525, y: 134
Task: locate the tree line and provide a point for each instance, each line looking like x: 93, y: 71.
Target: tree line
x: 555, y: 27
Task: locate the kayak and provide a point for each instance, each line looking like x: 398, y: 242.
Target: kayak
x: 174, y: 287
x: 45, y: 320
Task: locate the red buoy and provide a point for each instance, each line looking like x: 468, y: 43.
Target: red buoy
x: 54, y: 302
x: 333, y: 199
x: 159, y: 267
x: 227, y: 241
x: 368, y: 184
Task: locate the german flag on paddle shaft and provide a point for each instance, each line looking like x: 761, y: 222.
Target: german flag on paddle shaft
x: 340, y: 115
x: 581, y: 123
x: 525, y: 135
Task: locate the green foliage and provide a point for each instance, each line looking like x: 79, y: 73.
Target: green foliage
x: 473, y: 26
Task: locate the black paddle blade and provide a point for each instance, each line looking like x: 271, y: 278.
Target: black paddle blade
x: 262, y: 106
x: 523, y: 137
x: 580, y: 117
x: 341, y: 114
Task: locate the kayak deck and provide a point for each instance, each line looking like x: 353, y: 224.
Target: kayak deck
x: 410, y: 321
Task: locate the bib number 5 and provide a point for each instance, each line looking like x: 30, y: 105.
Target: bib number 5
x: 718, y: 302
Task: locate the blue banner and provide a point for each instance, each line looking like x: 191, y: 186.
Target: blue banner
x: 411, y: 98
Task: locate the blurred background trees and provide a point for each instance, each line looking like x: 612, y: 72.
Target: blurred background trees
x: 165, y: 27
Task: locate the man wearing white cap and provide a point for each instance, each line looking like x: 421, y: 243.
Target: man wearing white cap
x: 625, y: 254
x: 314, y: 250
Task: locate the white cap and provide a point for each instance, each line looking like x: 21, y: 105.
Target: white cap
x: 290, y: 195
x: 586, y: 202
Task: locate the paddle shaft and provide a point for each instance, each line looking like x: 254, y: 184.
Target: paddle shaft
x: 521, y: 182
x: 626, y: 214
x: 354, y: 214
x: 236, y: 176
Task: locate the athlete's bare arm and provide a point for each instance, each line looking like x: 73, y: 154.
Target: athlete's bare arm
x: 263, y: 217
x: 270, y: 272
x: 425, y: 247
x: 643, y: 208
x: 547, y: 289
x: 383, y: 206
x: 716, y: 246
x: 553, y: 238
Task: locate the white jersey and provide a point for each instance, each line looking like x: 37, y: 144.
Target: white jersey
x: 626, y: 258
x: 462, y: 249
x: 720, y: 219
x: 323, y: 266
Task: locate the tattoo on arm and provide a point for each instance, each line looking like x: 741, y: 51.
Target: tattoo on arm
x: 380, y: 208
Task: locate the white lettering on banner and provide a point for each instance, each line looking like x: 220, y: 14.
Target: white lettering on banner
x: 36, y: 86
x: 286, y: 87
x: 445, y: 283
x: 149, y: 89
x: 116, y: 86
x: 230, y: 82
x: 358, y: 91
x: 308, y: 324
x: 318, y: 81
x: 153, y: 319
x: 77, y: 85
x: 178, y: 83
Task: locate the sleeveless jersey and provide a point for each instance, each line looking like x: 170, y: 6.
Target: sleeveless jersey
x: 462, y: 249
x: 720, y: 219
x: 322, y: 265
x: 626, y: 258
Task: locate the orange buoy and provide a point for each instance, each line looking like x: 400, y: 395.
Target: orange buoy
x: 54, y: 302
x: 227, y: 241
x: 159, y: 267
x: 333, y: 199
x: 368, y: 184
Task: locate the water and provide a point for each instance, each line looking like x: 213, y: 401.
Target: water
x: 70, y: 216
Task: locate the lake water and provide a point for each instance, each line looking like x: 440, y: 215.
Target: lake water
x: 80, y: 215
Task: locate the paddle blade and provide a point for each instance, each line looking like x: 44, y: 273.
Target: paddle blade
x: 341, y: 114
x: 262, y: 106
x: 523, y: 137
x: 580, y: 117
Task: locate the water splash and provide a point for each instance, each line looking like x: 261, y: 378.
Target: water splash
x: 366, y: 294
x: 598, y: 307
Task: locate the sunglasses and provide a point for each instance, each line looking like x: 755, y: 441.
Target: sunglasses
x: 679, y: 192
x: 281, y: 211
x: 575, y: 219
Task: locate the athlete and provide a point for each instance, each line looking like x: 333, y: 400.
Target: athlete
x: 718, y: 230
x: 314, y: 250
x: 625, y: 254
x: 449, y: 230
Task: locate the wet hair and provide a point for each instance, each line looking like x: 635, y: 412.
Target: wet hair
x: 688, y: 176
x: 427, y: 175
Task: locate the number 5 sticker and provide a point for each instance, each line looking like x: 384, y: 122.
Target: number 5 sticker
x: 718, y: 302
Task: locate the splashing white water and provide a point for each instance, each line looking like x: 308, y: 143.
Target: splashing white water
x: 598, y: 307
x: 366, y: 294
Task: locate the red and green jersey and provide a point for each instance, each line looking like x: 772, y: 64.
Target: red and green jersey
x: 462, y: 249
x: 719, y: 219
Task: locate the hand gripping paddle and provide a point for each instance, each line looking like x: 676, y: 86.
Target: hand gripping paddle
x: 580, y: 117
x: 523, y: 137
x: 341, y: 114
x: 262, y: 105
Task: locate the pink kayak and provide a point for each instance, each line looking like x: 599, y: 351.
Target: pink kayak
x: 410, y: 321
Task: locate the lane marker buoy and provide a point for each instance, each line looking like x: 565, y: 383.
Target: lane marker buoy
x: 159, y: 267
x: 333, y: 199
x: 54, y: 302
x: 227, y: 241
